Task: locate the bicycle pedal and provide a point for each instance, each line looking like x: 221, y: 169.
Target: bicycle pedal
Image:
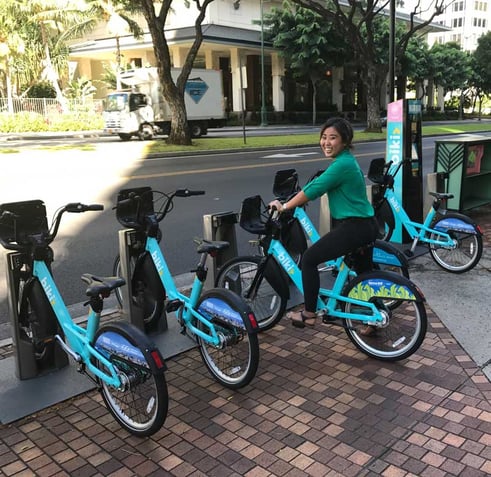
x: 173, y: 305
x: 328, y: 319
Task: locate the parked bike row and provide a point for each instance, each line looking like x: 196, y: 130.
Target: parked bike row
x: 368, y: 287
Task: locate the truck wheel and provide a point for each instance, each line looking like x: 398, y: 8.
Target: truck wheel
x: 196, y: 130
x: 146, y: 132
x: 124, y: 137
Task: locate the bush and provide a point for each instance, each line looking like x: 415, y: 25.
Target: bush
x: 34, y: 122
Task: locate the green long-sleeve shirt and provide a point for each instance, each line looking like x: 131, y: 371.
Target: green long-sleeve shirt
x: 344, y: 183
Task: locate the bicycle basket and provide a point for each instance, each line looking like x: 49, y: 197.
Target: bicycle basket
x: 250, y: 215
x: 29, y: 219
x: 285, y: 184
x: 131, y: 213
x: 376, y: 171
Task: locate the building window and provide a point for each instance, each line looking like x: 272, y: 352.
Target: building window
x: 457, y: 22
x: 136, y: 62
x: 458, y: 6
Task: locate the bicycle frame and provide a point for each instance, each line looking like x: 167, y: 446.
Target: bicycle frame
x: 189, y: 311
x: 79, y: 339
x: 328, y: 299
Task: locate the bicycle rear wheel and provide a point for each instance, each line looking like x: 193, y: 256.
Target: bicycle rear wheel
x: 404, y: 326
x: 267, y: 304
x: 467, y: 240
x: 140, y: 406
x: 234, y: 361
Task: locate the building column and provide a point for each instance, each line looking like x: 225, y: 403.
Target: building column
x: 237, y: 82
x: 178, y: 56
x: 440, y: 98
x: 211, y: 60
x: 278, y: 74
x: 337, y: 96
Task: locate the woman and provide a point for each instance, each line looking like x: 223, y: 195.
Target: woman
x: 354, y: 224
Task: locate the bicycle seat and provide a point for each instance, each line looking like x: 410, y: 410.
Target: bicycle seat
x: 441, y: 195
x: 101, y: 285
x: 207, y: 246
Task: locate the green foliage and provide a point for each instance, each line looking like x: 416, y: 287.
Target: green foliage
x: 450, y: 66
x: 482, y: 60
x: 80, y: 88
x: 308, y: 42
x: 43, y: 89
x: 34, y: 122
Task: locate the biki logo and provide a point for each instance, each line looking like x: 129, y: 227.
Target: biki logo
x: 307, y: 227
x: 48, y: 290
x: 286, y: 262
x: 394, y: 203
x: 158, y: 263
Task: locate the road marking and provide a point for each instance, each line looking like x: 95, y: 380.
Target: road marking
x: 237, y: 168
x: 289, y: 155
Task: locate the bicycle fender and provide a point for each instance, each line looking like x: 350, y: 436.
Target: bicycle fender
x: 145, y: 267
x: 277, y: 278
x: 225, y: 305
x: 384, y: 211
x: 383, y: 284
x: 128, y: 342
x: 456, y: 222
x: 41, y: 307
x: 384, y: 252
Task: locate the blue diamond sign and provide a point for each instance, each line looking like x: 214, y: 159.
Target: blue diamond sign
x: 196, y: 88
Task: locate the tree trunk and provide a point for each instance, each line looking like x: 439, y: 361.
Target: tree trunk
x: 314, y: 102
x: 373, y: 80
x: 179, y: 133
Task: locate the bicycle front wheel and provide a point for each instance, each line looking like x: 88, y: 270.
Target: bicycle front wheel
x: 144, y: 292
x: 404, y: 326
x: 141, y: 403
x: 267, y: 304
x: 467, y: 240
x: 233, y: 362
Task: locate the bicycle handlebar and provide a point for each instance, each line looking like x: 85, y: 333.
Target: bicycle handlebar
x: 44, y: 239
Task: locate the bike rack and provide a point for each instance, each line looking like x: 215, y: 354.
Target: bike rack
x: 220, y: 226
x: 132, y: 312
x: 26, y: 366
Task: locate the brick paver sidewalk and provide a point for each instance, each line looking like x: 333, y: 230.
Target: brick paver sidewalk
x: 316, y: 407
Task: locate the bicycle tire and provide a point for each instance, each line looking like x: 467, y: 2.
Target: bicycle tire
x: 141, y: 407
x: 268, y: 304
x: 234, y: 362
x: 467, y: 239
x: 145, y: 290
x: 405, y: 326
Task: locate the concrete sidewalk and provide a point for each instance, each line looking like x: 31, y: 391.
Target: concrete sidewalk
x: 317, y: 406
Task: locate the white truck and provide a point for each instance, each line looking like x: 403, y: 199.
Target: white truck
x: 142, y: 111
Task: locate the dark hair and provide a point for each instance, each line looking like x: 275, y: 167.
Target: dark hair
x: 343, y: 127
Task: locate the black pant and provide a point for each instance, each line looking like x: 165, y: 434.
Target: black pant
x: 346, y: 236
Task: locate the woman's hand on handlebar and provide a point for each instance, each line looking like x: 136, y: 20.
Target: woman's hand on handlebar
x: 276, y: 205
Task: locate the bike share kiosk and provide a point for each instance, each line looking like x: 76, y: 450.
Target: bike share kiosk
x: 404, y: 144
x: 221, y: 227
x: 33, y: 309
x: 131, y: 246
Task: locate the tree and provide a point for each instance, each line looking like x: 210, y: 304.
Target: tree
x: 310, y: 45
x: 481, y: 71
x: 451, y: 69
x: 155, y: 15
x: 359, y: 22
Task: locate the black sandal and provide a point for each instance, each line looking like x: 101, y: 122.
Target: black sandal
x: 300, y: 320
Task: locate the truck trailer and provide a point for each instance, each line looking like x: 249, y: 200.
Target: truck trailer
x: 142, y: 111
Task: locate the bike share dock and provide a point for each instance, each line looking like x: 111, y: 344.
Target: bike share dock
x: 316, y: 407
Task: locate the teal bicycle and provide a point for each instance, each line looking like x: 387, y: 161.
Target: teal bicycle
x: 125, y: 365
x: 272, y: 295
x: 222, y: 324
x: 386, y: 301
x: 454, y: 240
